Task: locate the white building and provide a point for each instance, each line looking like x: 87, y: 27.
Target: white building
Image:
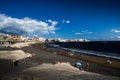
x: 41, y: 39
x: 35, y: 38
x: 77, y: 40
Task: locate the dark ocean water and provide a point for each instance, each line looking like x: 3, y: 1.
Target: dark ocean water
x: 102, y: 54
x: 109, y: 49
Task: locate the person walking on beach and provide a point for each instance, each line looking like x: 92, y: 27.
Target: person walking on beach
x: 109, y: 62
x: 87, y: 66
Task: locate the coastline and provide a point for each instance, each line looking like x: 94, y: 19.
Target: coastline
x: 102, y: 60
x: 92, y: 57
x: 46, y: 64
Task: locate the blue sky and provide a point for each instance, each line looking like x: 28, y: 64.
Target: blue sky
x: 68, y: 19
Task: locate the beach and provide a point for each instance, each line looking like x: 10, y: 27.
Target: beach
x: 41, y: 64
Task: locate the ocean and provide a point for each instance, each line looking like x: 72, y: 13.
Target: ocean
x: 103, y: 49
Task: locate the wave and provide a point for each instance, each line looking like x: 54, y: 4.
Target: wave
x: 89, y: 52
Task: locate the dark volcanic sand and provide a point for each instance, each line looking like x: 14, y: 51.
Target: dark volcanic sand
x: 43, y: 66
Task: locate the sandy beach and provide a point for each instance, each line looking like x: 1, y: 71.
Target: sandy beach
x: 37, y: 64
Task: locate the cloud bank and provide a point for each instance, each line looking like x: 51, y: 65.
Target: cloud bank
x: 26, y: 25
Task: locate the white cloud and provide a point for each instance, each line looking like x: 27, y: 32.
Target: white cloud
x: 83, y: 32
x: 78, y: 33
x: 86, y: 32
x: 66, y: 21
x: 115, y: 37
x: 115, y: 30
x: 54, y: 23
x: 27, y: 24
x: 118, y: 37
x: 49, y: 21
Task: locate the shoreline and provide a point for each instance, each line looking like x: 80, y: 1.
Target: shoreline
x: 87, y: 52
x: 48, y: 65
x: 114, y: 63
x: 100, y: 55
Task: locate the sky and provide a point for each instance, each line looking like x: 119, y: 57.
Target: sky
x: 67, y: 19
